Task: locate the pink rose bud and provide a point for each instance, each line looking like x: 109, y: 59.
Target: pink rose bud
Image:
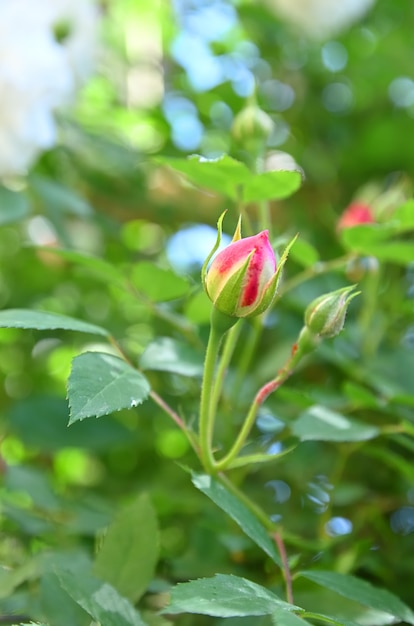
x: 355, y: 214
x: 325, y: 316
x: 242, y: 279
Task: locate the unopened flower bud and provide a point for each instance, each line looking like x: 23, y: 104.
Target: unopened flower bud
x: 252, y: 125
x: 325, y: 316
x: 243, y: 278
x: 355, y: 214
x: 240, y: 280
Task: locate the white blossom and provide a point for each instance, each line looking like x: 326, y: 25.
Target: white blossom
x: 39, y: 72
x: 321, y: 18
x: 279, y: 160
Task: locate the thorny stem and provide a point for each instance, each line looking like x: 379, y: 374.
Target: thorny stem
x: 268, y: 524
x: 177, y: 419
x: 260, y: 397
x: 286, y: 570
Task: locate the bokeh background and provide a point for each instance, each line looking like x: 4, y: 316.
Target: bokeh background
x: 91, y: 95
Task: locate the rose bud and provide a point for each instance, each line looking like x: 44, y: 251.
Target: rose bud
x: 242, y: 279
x: 355, y: 214
x: 252, y: 123
x: 325, y: 316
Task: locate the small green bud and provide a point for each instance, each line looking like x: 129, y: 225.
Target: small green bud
x: 325, y: 316
x: 252, y: 125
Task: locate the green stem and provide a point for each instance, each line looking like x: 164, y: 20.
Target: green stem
x: 254, y: 459
x: 252, y: 506
x: 369, y: 331
x: 207, y: 415
x: 158, y: 400
x: 177, y: 419
x: 228, y: 350
x: 318, y: 616
x: 249, y: 348
x: 260, y: 397
x: 305, y: 344
x: 269, y: 525
x: 286, y: 569
x: 248, y: 423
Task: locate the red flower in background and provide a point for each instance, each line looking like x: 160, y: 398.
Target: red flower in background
x: 355, y: 214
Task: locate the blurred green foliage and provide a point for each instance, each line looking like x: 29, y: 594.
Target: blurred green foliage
x: 85, y: 236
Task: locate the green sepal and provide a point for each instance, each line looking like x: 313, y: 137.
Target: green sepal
x: 232, y: 290
x: 274, y: 282
x: 305, y: 344
x: 221, y: 322
x: 237, y: 233
x: 215, y: 247
x: 284, y: 257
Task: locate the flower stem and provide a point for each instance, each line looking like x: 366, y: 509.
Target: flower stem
x: 249, y: 349
x: 252, y: 506
x: 303, y: 346
x: 158, y: 400
x: 269, y: 525
x: 286, y: 570
x: 229, y: 346
x: 207, y: 410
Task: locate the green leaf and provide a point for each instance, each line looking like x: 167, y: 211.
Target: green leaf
x: 404, y: 216
x: 198, y: 308
x: 238, y: 511
x: 14, y: 206
x: 304, y: 253
x: 228, y: 177
x: 34, y: 482
x: 101, y: 383
x: 129, y: 552
x: 42, y: 320
x: 51, y: 433
x: 273, y: 185
x: 223, y: 175
x: 358, y: 237
x: 319, y: 423
x: 169, y: 355
x: 11, y: 578
x: 57, y: 606
x: 224, y: 596
x: 100, y: 600
x: 399, y: 252
x: 359, y: 395
x: 363, y: 592
x: 159, y: 285
x: 281, y: 617
x: 330, y: 619
x: 99, y: 268
x: 375, y: 239
x: 57, y: 197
